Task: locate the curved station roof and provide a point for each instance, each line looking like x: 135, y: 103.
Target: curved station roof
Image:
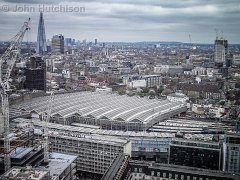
x: 102, y: 105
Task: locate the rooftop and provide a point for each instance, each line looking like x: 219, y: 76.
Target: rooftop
x: 59, y: 162
x: 102, y: 105
x: 185, y: 169
x: 20, y: 152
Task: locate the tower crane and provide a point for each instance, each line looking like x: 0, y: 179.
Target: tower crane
x: 45, y: 118
x: 190, y: 51
x: 7, y: 62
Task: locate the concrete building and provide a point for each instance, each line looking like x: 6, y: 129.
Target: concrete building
x: 124, y: 70
x: 136, y: 83
x: 168, y: 69
x: 144, y: 145
x: 153, y: 81
x: 199, y: 71
x: 58, y: 44
x: 231, y: 153
x: 201, y: 90
x: 177, y: 97
x: 236, y: 60
x: 95, y: 153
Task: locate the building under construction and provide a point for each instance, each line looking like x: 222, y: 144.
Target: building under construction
x: 21, y: 148
x: 60, y: 166
x: 95, y: 153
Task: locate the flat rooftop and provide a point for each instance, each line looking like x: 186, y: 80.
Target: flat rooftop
x: 185, y: 169
x: 20, y: 152
x: 115, y: 133
x: 58, y: 162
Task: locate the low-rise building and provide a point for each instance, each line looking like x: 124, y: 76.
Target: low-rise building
x: 153, y: 81
x: 153, y: 171
x: 178, y: 97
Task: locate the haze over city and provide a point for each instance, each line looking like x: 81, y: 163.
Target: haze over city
x: 130, y: 21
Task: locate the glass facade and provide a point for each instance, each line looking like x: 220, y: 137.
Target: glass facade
x: 41, y: 38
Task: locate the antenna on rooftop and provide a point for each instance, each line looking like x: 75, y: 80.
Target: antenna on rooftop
x: 216, y: 31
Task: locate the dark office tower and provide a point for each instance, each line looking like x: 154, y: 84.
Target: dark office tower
x: 41, y: 38
x: 220, y: 52
x: 95, y: 42
x: 36, y: 74
x: 199, y: 154
x: 58, y: 44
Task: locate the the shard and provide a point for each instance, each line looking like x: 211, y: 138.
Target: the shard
x: 41, y: 38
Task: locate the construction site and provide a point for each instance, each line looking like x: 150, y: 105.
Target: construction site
x: 22, y: 156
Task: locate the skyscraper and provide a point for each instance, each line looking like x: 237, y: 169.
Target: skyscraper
x: 41, y: 38
x: 220, y: 52
x: 58, y: 44
x: 36, y: 74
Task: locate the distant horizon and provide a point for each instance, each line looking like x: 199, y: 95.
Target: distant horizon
x: 133, y: 42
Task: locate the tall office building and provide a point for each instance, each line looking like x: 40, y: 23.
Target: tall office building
x: 36, y: 74
x: 220, y: 52
x: 95, y: 41
x: 41, y: 38
x: 58, y: 44
x: 68, y: 41
x: 73, y: 42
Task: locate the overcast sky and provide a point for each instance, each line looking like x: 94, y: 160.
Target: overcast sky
x: 127, y: 20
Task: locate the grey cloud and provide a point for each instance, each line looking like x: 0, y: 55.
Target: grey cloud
x: 135, y: 20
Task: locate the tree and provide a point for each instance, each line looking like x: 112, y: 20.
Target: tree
x: 160, y: 90
x: 166, y: 92
x: 222, y: 102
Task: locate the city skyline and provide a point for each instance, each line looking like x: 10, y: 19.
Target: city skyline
x: 129, y: 21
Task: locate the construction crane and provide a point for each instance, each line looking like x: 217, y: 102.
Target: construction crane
x: 7, y: 62
x: 46, y: 118
x: 179, y: 56
x: 190, y: 50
